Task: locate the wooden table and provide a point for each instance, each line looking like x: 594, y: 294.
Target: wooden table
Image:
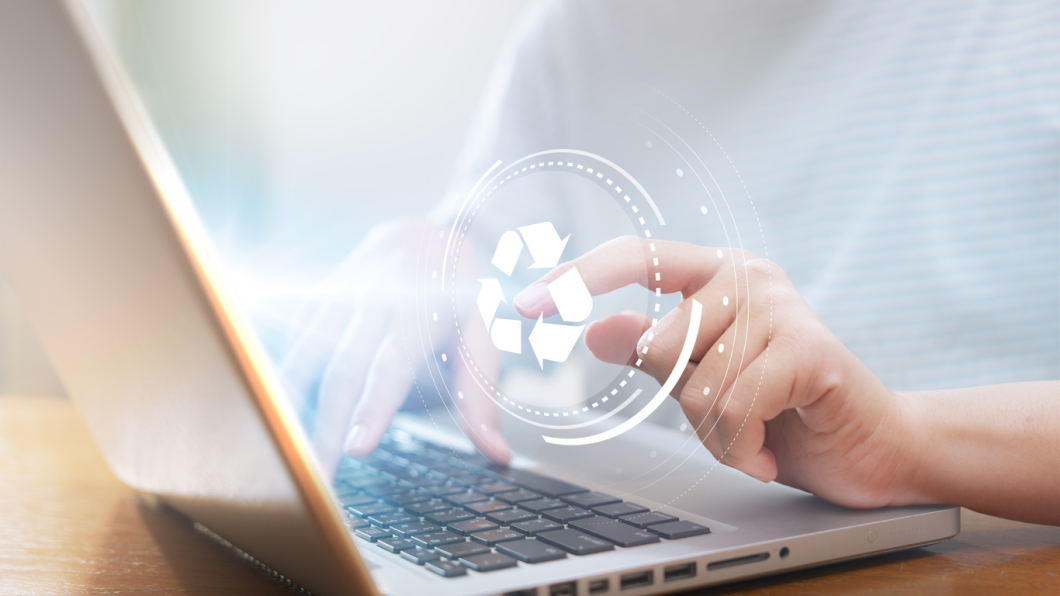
x: 67, y: 526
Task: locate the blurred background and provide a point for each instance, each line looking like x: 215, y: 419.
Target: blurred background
x: 278, y: 114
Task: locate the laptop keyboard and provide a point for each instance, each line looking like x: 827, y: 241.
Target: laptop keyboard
x: 452, y: 514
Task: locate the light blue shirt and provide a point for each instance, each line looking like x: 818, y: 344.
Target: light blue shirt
x: 903, y: 158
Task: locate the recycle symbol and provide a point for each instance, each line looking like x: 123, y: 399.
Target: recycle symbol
x: 568, y: 291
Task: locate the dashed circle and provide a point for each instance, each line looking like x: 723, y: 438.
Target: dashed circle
x: 603, y: 176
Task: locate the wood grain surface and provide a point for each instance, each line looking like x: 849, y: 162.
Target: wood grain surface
x: 67, y: 526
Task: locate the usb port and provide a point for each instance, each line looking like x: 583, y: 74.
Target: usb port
x: 636, y: 580
x: 599, y: 586
x: 564, y: 589
x: 679, y: 572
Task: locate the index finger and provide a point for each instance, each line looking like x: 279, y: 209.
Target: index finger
x: 660, y: 265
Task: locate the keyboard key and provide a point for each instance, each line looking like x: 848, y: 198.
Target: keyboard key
x: 439, y: 454
x: 550, y: 487
x: 448, y: 516
x: 441, y: 470
x: 494, y: 487
x: 488, y: 562
x: 566, y: 514
x: 350, y: 469
x: 375, y: 458
x: 344, y: 492
x: 462, y: 549
x: 575, y: 542
x: 611, y: 529
x: 390, y: 471
x: 399, y: 461
x: 643, y: 520
x: 357, y: 498
x: 442, y: 490
x: 395, y: 544
x: 365, y: 482
x: 492, y: 537
x: 389, y: 519
x: 539, y: 505
x: 590, y: 499
x: 619, y: 509
x: 371, y: 534
x: 413, y: 528
x: 370, y: 509
x: 469, y: 479
x: 355, y: 523
x: 420, y: 555
x: 531, y: 550
x: 348, y: 466
x: 446, y: 568
x: 417, y: 466
x: 678, y: 529
x: 484, y: 507
x: 352, y: 521
x: 518, y: 496
x: 427, y: 506
x: 465, y: 497
x: 468, y: 527
x: 386, y: 490
x: 510, y: 516
x: 431, y: 539
x: 407, y: 498
x: 535, y: 526
x: 421, y: 481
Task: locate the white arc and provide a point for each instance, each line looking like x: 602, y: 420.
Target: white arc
x: 664, y: 391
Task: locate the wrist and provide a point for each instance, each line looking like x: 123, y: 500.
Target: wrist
x: 914, y: 479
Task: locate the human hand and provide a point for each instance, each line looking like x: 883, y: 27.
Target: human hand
x: 770, y: 390
x: 371, y: 336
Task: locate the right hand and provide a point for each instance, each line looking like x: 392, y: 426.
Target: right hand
x: 371, y: 336
x: 815, y: 418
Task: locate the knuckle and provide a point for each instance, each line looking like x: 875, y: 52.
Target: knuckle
x: 692, y: 402
x: 774, y: 295
x: 788, y: 346
x: 759, y: 269
x: 730, y: 417
x: 744, y: 256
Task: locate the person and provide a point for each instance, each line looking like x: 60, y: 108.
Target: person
x: 903, y: 164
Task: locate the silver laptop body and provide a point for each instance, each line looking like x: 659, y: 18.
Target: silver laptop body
x: 101, y: 244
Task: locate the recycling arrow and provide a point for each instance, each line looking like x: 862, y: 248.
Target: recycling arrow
x: 544, y: 243
x: 490, y: 296
x: 572, y: 297
x: 568, y: 291
x: 553, y: 342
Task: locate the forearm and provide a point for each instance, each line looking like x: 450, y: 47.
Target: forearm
x: 993, y: 449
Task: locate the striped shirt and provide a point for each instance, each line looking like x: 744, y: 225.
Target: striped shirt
x: 902, y: 159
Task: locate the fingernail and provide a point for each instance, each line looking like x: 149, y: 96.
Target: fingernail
x: 356, y: 441
x: 645, y: 341
x: 533, y: 298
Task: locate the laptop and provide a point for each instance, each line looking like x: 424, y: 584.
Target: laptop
x: 105, y: 252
